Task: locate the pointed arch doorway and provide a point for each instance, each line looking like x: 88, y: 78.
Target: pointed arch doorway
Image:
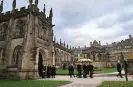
x: 40, y: 65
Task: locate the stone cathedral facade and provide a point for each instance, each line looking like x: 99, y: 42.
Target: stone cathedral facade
x: 26, y: 40
x: 62, y: 55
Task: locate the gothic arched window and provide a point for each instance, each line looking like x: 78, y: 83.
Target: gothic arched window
x: 19, y: 30
x: 17, y: 54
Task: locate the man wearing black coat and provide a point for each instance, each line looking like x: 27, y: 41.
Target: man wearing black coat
x: 53, y: 71
x: 119, y: 68
x: 90, y: 70
x: 79, y: 70
x: 44, y: 72
x: 84, y: 71
x: 71, y: 71
x: 48, y: 71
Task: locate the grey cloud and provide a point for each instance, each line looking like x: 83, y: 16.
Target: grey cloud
x: 79, y: 12
x: 125, y: 18
x: 122, y: 18
x: 120, y: 34
x: 106, y: 24
x: 128, y: 27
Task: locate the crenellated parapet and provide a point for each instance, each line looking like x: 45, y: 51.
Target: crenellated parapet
x: 57, y: 45
x: 14, y: 14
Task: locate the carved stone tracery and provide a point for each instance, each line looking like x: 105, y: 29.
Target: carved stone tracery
x: 43, y: 31
x: 3, y: 29
x: 19, y: 31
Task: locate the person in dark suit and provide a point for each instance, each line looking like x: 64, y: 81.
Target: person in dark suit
x: 71, y: 71
x: 79, y: 70
x: 119, y: 68
x: 44, y: 72
x: 48, y: 71
x: 90, y: 70
x: 84, y: 71
x: 53, y: 71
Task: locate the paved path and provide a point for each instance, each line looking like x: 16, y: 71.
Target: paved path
x: 87, y: 82
x: 108, y: 74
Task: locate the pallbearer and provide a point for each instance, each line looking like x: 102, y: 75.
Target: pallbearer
x: 90, y: 69
x: 71, y: 71
x: 53, y: 71
x: 84, y: 71
x: 79, y: 70
x: 48, y: 71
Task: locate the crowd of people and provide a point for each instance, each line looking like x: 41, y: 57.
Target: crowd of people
x: 49, y: 71
x: 83, y: 70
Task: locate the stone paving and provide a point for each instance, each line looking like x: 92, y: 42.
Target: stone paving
x: 88, y: 82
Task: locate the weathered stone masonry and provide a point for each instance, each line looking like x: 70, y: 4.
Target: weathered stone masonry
x: 26, y: 36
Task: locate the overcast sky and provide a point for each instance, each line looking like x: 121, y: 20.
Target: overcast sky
x: 80, y: 21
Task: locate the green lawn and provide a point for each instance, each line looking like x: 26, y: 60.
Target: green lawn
x: 96, y: 71
x: 63, y: 72
x: 32, y: 83
x: 116, y: 84
x: 105, y: 70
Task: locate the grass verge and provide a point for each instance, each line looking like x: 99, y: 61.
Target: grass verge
x: 32, y: 83
x: 116, y: 84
